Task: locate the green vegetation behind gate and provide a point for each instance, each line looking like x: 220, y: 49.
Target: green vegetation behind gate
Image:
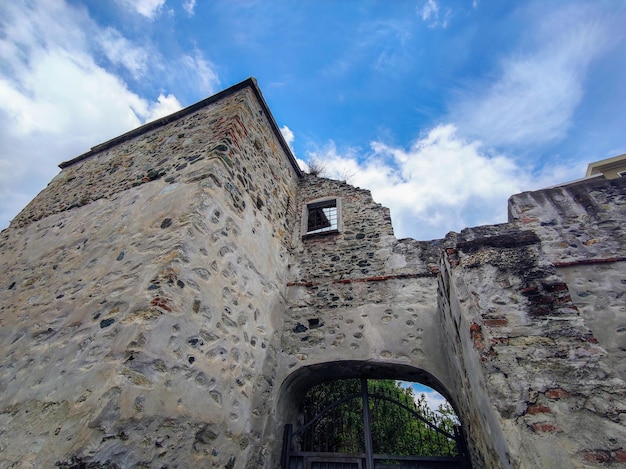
x: 395, y: 427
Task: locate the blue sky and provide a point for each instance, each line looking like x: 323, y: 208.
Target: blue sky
x: 433, y: 398
x: 442, y: 108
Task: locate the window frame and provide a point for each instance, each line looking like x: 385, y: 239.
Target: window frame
x: 305, y: 217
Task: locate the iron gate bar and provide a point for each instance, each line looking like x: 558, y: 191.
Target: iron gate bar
x: 375, y: 456
x: 284, y: 460
x: 324, y: 411
x: 369, y: 448
x: 416, y: 414
x: 379, y: 396
x: 307, y: 456
x: 368, y: 456
x: 416, y: 458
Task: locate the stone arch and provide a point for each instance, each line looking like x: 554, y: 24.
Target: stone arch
x: 296, y: 384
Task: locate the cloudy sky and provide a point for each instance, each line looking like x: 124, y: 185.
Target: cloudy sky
x: 443, y: 108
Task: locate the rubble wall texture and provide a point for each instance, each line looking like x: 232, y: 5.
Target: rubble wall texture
x: 359, y: 294
x: 160, y: 307
x: 557, y: 401
x: 583, y: 232
x: 360, y: 302
x: 501, y: 332
x: 467, y: 386
x: 540, y: 302
x: 137, y: 310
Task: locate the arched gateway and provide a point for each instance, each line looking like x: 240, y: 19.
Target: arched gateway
x: 363, y: 420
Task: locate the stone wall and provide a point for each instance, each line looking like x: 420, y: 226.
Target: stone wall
x: 499, y: 334
x: 541, y: 388
x: 160, y: 307
x: 583, y: 232
x: 138, y: 313
x: 360, y: 302
x: 233, y: 136
x: 357, y: 293
x: 576, y: 222
x: 483, y: 432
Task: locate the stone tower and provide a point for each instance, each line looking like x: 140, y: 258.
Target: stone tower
x: 170, y: 296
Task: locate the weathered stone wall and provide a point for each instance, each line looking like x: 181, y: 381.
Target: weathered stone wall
x: 139, y: 324
x: 583, y: 232
x: 599, y: 293
x: 354, y: 293
x: 576, y: 222
x: 499, y: 334
x: 233, y: 136
x: 543, y: 392
x: 160, y: 307
x: 468, y: 389
x: 360, y: 303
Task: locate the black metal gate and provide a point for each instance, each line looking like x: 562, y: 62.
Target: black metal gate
x: 369, y: 427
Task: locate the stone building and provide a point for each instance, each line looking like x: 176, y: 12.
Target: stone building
x: 170, y: 296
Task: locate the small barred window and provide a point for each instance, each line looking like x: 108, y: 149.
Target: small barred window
x: 321, y: 216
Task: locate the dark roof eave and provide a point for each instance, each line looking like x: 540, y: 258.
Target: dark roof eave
x: 249, y: 82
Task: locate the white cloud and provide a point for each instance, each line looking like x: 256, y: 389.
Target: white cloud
x: 430, y: 13
x: 148, y: 8
x: 121, y: 51
x: 430, y: 10
x: 189, y: 6
x: 164, y: 106
x: 67, y: 92
x: 441, y: 183
x: 534, y: 98
x: 288, y: 136
x: 55, y: 100
x: 304, y: 166
x: 200, y: 71
x: 433, y: 399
